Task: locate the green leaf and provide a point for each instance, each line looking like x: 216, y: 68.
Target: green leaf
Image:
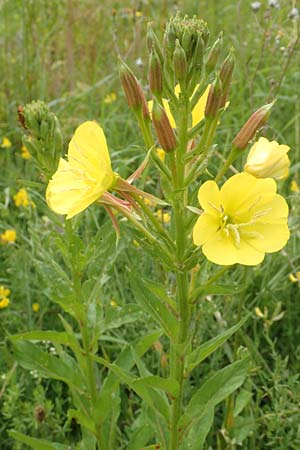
x: 31, y: 357
x: 218, y: 387
x: 219, y: 289
x: 198, y: 433
x: 82, y: 419
x: 242, y: 400
x: 169, y: 385
x: 53, y: 336
x: 37, y: 444
x: 153, y: 304
x: 206, y: 349
x: 116, y: 317
x: 141, y: 431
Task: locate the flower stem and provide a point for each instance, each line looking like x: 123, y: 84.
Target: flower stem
x: 180, y: 192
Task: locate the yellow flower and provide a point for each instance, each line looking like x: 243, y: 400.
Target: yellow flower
x: 110, y: 98
x: 268, y: 159
x: 163, y: 216
x: 113, y: 303
x: 22, y: 199
x: 197, y: 113
x: 25, y: 153
x: 6, y: 142
x: 138, y: 13
x: 242, y: 221
x: 294, y: 186
x: 35, y: 307
x: 4, y: 303
x: 9, y: 236
x: 4, y: 292
x: 294, y: 277
x: 161, y: 154
x: 4, y: 300
x: 85, y: 176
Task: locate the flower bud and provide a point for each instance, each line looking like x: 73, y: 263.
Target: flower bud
x: 214, y: 98
x: 180, y: 63
x: 268, y: 159
x: 44, y: 138
x: 226, y: 76
x: 169, y: 40
x: 155, y: 74
x: 214, y: 54
x: 153, y: 42
x: 253, y: 124
x: 132, y: 89
x: 198, y: 53
x: 164, y: 131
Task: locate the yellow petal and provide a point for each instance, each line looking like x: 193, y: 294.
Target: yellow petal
x: 252, y: 193
x: 269, y: 238
x: 209, y: 197
x: 223, y: 251
x: 199, y: 108
x: 88, y: 149
x: 205, y: 228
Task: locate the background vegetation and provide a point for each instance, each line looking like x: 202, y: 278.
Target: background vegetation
x: 65, y: 53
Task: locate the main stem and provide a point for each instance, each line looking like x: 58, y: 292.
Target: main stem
x: 177, y: 351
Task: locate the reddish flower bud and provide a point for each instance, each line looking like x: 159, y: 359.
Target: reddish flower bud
x: 134, y: 94
x: 253, y: 124
x: 214, y: 98
x: 165, y: 134
x: 155, y: 74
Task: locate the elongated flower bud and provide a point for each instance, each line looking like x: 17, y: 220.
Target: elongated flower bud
x: 155, y: 74
x: 134, y: 94
x: 153, y: 42
x: 226, y: 76
x: 253, y: 124
x: 214, y: 98
x: 164, y: 131
x: 214, y: 54
x: 180, y: 63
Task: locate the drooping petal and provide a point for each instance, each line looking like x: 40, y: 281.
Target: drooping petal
x: 209, y: 197
x: 205, y: 228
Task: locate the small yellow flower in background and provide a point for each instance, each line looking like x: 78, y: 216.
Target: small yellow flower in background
x: 260, y: 314
x: 35, y: 307
x: 294, y: 277
x: 165, y: 217
x: 148, y: 202
x: 197, y: 113
x: 9, y: 236
x: 22, y: 199
x: 6, y: 142
x: 4, y: 300
x: 161, y: 154
x: 268, y: 159
x: 85, y: 176
x: 138, y: 13
x: 113, y: 303
x: 25, y: 153
x: 242, y: 221
x: 294, y: 186
x: 110, y: 98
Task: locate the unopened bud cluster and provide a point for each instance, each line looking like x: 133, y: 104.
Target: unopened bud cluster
x: 43, y: 138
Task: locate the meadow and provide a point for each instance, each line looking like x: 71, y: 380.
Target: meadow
x: 76, y: 328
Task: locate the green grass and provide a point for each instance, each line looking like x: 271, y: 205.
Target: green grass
x: 65, y: 53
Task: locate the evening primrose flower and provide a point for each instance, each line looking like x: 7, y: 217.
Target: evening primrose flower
x: 85, y: 176
x: 268, y: 159
x: 35, y: 307
x: 9, y: 236
x: 110, y: 98
x: 242, y: 221
x: 294, y: 277
x: 163, y: 216
x: 6, y: 142
x: 197, y: 113
x: 294, y: 186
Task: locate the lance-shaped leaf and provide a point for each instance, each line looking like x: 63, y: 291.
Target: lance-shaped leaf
x: 159, y: 310
x: 218, y: 387
x: 206, y: 349
x: 37, y: 444
x: 198, y: 433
